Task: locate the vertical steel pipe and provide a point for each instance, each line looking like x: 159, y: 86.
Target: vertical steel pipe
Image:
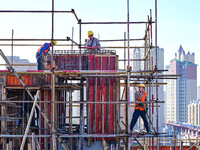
x: 124, y: 50
x: 81, y: 140
x: 151, y: 26
x: 79, y: 44
x: 72, y: 39
x: 156, y: 68
x: 12, y: 48
x: 70, y: 118
x: 52, y: 74
x: 128, y: 82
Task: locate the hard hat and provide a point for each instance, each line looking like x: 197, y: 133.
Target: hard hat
x: 90, y: 33
x: 141, y: 85
x: 55, y: 42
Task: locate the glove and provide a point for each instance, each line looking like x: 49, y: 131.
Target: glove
x: 146, y: 109
x: 140, y: 105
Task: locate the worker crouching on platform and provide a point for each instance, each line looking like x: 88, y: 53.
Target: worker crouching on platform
x: 140, y: 108
x: 93, y: 44
x: 44, y: 49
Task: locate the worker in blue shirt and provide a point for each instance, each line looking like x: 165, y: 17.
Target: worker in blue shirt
x: 93, y: 43
x: 44, y: 49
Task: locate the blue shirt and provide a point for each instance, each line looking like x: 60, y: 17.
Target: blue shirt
x: 44, y: 49
x: 93, y: 43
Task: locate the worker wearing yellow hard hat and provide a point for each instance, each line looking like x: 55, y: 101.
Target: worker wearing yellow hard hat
x: 141, y: 85
x: 93, y: 44
x: 90, y: 33
x: 55, y: 42
x: 140, y: 108
x: 44, y: 49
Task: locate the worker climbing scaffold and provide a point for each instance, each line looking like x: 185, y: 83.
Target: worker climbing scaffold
x: 140, y: 108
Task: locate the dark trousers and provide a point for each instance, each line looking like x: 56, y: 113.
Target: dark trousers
x: 135, y: 117
x: 39, y: 62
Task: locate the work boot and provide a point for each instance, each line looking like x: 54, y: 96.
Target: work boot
x: 135, y: 132
x: 144, y: 132
x: 151, y: 132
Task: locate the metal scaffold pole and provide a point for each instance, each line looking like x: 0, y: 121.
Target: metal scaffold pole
x: 12, y: 47
x: 124, y: 50
x: 81, y: 140
x: 53, y: 113
x: 156, y: 68
x: 128, y: 69
x: 79, y: 44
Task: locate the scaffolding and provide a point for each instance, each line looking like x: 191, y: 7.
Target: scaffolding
x: 49, y: 115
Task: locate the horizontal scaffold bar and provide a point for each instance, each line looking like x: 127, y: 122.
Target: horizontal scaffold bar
x: 114, y: 47
x: 33, y: 11
x: 79, y: 102
x: 38, y: 45
x: 135, y: 22
x: 85, y: 135
x: 32, y: 39
x: 19, y: 65
x: 88, y: 72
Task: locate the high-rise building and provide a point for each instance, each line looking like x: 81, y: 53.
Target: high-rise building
x: 181, y: 55
x: 182, y: 90
x: 17, y: 60
x: 198, y: 92
x: 194, y: 112
x: 138, y: 54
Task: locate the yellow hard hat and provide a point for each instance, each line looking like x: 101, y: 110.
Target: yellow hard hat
x: 90, y: 33
x: 141, y: 85
x: 55, y: 42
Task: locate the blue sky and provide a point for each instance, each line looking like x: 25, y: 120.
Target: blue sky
x: 178, y: 22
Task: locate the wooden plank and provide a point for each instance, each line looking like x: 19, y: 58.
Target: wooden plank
x: 3, y: 113
x: 104, y: 145
x: 54, y: 142
x: 45, y: 123
x: 29, y: 146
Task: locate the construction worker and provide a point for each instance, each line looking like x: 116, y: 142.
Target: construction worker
x: 93, y: 43
x: 140, y: 108
x: 44, y: 49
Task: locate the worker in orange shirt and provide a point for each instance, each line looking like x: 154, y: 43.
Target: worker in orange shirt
x: 44, y: 49
x: 140, y: 108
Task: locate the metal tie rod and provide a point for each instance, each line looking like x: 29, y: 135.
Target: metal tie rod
x: 11, y: 69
